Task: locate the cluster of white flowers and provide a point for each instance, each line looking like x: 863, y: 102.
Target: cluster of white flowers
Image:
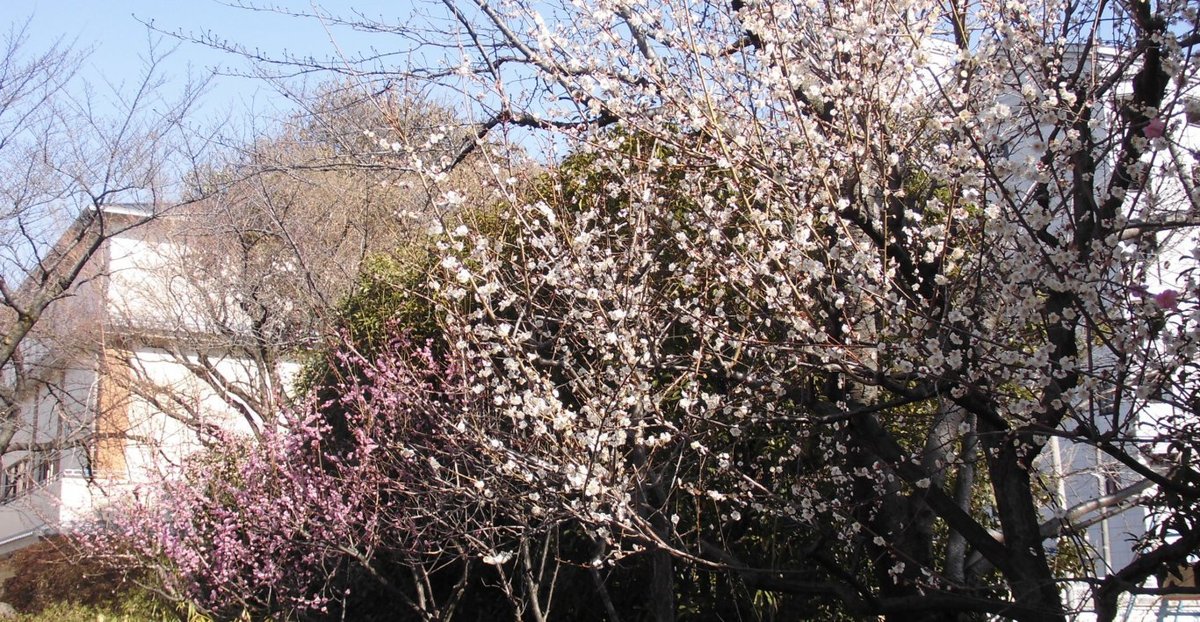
x: 703, y: 302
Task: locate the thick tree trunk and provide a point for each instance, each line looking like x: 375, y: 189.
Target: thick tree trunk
x: 1029, y: 577
x: 662, y: 587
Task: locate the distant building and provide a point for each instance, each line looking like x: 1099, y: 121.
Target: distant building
x: 132, y: 368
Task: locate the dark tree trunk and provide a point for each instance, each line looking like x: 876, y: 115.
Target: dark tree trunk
x: 1029, y: 576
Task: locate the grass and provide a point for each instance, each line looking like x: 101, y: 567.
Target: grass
x: 133, y: 609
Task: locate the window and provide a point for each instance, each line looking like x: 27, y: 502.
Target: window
x: 43, y: 469
x: 8, y: 488
x: 15, y: 481
x: 22, y: 476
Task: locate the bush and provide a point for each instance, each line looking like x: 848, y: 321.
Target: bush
x: 55, y: 580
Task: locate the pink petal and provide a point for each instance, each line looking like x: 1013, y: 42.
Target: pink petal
x: 1155, y: 128
x: 1167, y: 299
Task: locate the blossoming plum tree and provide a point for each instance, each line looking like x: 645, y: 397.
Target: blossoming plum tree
x: 313, y: 519
x: 849, y: 268
x: 818, y: 286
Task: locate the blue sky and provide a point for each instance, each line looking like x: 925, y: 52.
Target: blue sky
x: 115, y: 33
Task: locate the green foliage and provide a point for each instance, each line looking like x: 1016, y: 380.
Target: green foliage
x: 389, y: 293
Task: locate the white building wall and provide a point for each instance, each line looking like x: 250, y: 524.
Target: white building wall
x: 107, y: 375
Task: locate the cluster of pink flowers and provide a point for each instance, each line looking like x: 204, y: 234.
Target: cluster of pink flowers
x: 276, y: 525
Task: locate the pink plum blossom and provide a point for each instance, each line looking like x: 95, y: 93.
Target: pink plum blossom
x: 1155, y: 128
x: 274, y: 527
x: 1167, y: 299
